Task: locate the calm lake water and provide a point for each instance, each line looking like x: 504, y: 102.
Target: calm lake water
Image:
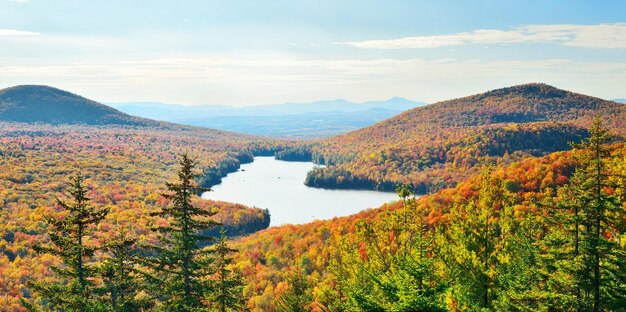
x: 279, y: 186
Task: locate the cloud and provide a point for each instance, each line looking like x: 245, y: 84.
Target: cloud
x: 599, y: 36
x: 244, y: 81
x: 20, y: 1
x: 16, y: 33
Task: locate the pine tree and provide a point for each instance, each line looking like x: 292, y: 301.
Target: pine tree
x: 181, y: 269
x: 228, y: 284
x: 558, y: 258
x: 390, y: 265
x: 475, y: 245
x: 120, y: 276
x: 297, y: 298
x: 517, y: 275
x: 69, y: 234
x: 595, y: 262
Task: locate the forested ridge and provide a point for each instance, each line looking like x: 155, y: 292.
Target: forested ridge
x: 508, y: 239
x: 544, y: 233
x: 520, y: 216
x: 173, y: 273
x: 124, y: 168
x: 33, y: 103
x: 441, y: 144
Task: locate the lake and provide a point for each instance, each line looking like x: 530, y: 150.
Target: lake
x: 279, y: 186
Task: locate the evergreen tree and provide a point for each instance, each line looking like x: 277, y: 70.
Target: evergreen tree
x: 594, y: 265
x: 517, y: 274
x: 558, y: 258
x: 297, y: 298
x: 391, y: 265
x: 69, y: 235
x: 476, y: 245
x: 228, y: 284
x: 181, y: 270
x: 120, y: 277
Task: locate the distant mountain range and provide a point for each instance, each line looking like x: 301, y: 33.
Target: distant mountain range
x: 43, y: 104
x: 620, y: 101
x: 314, y: 119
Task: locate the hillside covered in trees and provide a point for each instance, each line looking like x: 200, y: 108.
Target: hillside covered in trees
x: 541, y: 234
x: 43, y: 104
x: 124, y: 168
x: 438, y: 145
x: 511, y: 226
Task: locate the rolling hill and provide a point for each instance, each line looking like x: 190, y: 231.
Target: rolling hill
x: 438, y: 145
x: 443, y: 144
x: 43, y: 104
x: 268, y: 256
x: 48, y: 135
x: 440, y: 149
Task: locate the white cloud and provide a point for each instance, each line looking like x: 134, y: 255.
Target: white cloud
x: 20, y: 1
x: 16, y: 33
x: 599, y: 36
x: 245, y: 81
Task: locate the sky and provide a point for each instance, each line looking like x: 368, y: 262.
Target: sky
x: 256, y: 52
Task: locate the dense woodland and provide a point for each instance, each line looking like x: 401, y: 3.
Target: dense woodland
x: 32, y: 103
x: 174, y: 274
x: 545, y: 233
x: 108, y: 218
x: 441, y: 144
x: 531, y: 235
x: 124, y: 169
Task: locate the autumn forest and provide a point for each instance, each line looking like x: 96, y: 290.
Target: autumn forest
x: 509, y: 200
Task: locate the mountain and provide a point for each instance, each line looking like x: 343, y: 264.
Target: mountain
x: 623, y: 101
x: 171, y: 112
x: 449, y: 143
x: 393, y: 104
x: 296, y: 120
x: 519, y: 104
x: 437, y: 145
x: 43, y: 104
x: 164, y: 111
x: 126, y: 169
x: 301, y: 126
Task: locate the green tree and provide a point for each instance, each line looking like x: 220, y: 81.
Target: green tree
x: 476, y: 244
x: 227, y: 292
x: 69, y: 234
x: 390, y: 265
x: 297, y: 297
x: 120, y: 277
x: 181, y: 270
x: 517, y: 275
x: 558, y: 260
x: 595, y: 263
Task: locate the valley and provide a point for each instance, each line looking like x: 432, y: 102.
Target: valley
x: 290, y: 120
x: 312, y: 156
x: 504, y: 155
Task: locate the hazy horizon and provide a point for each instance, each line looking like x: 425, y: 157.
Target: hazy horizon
x: 254, y: 104
x: 240, y: 53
